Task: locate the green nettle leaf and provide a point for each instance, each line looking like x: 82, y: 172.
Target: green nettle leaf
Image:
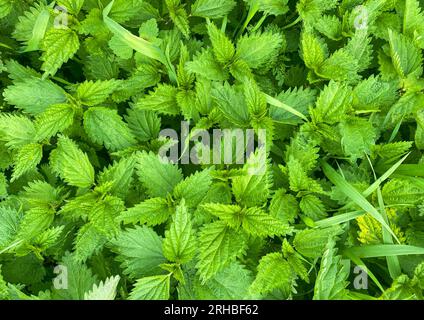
x: 274, y: 272
x: 406, y: 58
x: 218, y: 246
x: 194, y: 188
x: 332, y: 276
x: 151, y: 212
x: 158, y: 175
x: 115, y: 135
x: 27, y: 159
x: 80, y: 279
x: 140, y: 251
x: 34, y: 95
x: 16, y: 131
x: 59, y: 45
x: 258, y: 48
x: 73, y: 6
x: 104, y: 291
x: 151, y: 288
x: 92, y: 93
x: 223, y: 48
x: 212, y: 9
x: 311, y: 242
x: 162, y: 100
x: 71, y: 164
x: 179, y: 244
x: 314, y: 50
x: 55, y: 119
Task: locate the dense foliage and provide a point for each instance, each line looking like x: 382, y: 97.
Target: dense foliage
x: 89, y: 211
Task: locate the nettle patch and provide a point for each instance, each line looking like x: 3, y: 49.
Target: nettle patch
x: 330, y: 93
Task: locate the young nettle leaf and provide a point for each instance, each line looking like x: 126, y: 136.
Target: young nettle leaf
x: 92, y: 93
x: 212, y: 9
x: 53, y: 120
x: 59, y: 45
x: 140, y: 251
x: 152, y: 288
x: 179, y: 16
x: 16, y: 131
x: 179, y: 244
x: 32, y: 26
x: 34, y: 95
x: 162, y: 100
x: 332, y: 276
x: 274, y: 272
x: 406, y: 57
x: 223, y: 48
x: 71, y: 164
x: 194, y: 188
x: 218, y: 246
x: 104, y: 291
x: 258, y: 49
x: 151, y: 212
x: 73, y: 6
x: 158, y: 175
x: 312, y: 242
x: 115, y: 136
x: 27, y: 159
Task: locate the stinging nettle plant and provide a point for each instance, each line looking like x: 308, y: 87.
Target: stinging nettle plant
x: 89, y: 209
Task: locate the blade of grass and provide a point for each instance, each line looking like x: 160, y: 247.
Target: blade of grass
x: 281, y: 105
x: 355, y: 196
x: 384, y: 250
x: 340, y: 218
x: 355, y: 259
x: 392, y: 262
x: 136, y: 43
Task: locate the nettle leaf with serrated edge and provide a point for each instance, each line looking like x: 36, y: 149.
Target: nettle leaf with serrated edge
x: 88, y: 241
x: 152, y: 212
x: 139, y: 250
x: 144, y: 124
x: 92, y: 93
x: 312, y: 242
x: 16, y: 130
x: 34, y: 95
x: 223, y: 48
x: 158, y: 175
x: 71, y: 164
x: 27, y: 159
x: 218, y: 246
x: 332, y: 276
x: 194, y: 188
x: 32, y: 26
x: 105, y: 126
x: 274, y: 272
x: 179, y: 244
x: 80, y: 279
x: 406, y: 57
x: 119, y: 175
x: 104, y: 291
x: 332, y: 104
x: 152, y: 288
x: 162, y: 100
x: 204, y: 64
x: 258, y: 48
x: 59, y: 45
x: 314, y: 50
x: 212, y: 9
x: 55, y: 119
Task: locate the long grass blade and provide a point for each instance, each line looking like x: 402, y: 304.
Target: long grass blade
x: 355, y: 196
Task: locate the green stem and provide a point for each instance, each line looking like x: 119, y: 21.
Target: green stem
x: 259, y: 23
x: 293, y: 23
x: 252, y: 11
